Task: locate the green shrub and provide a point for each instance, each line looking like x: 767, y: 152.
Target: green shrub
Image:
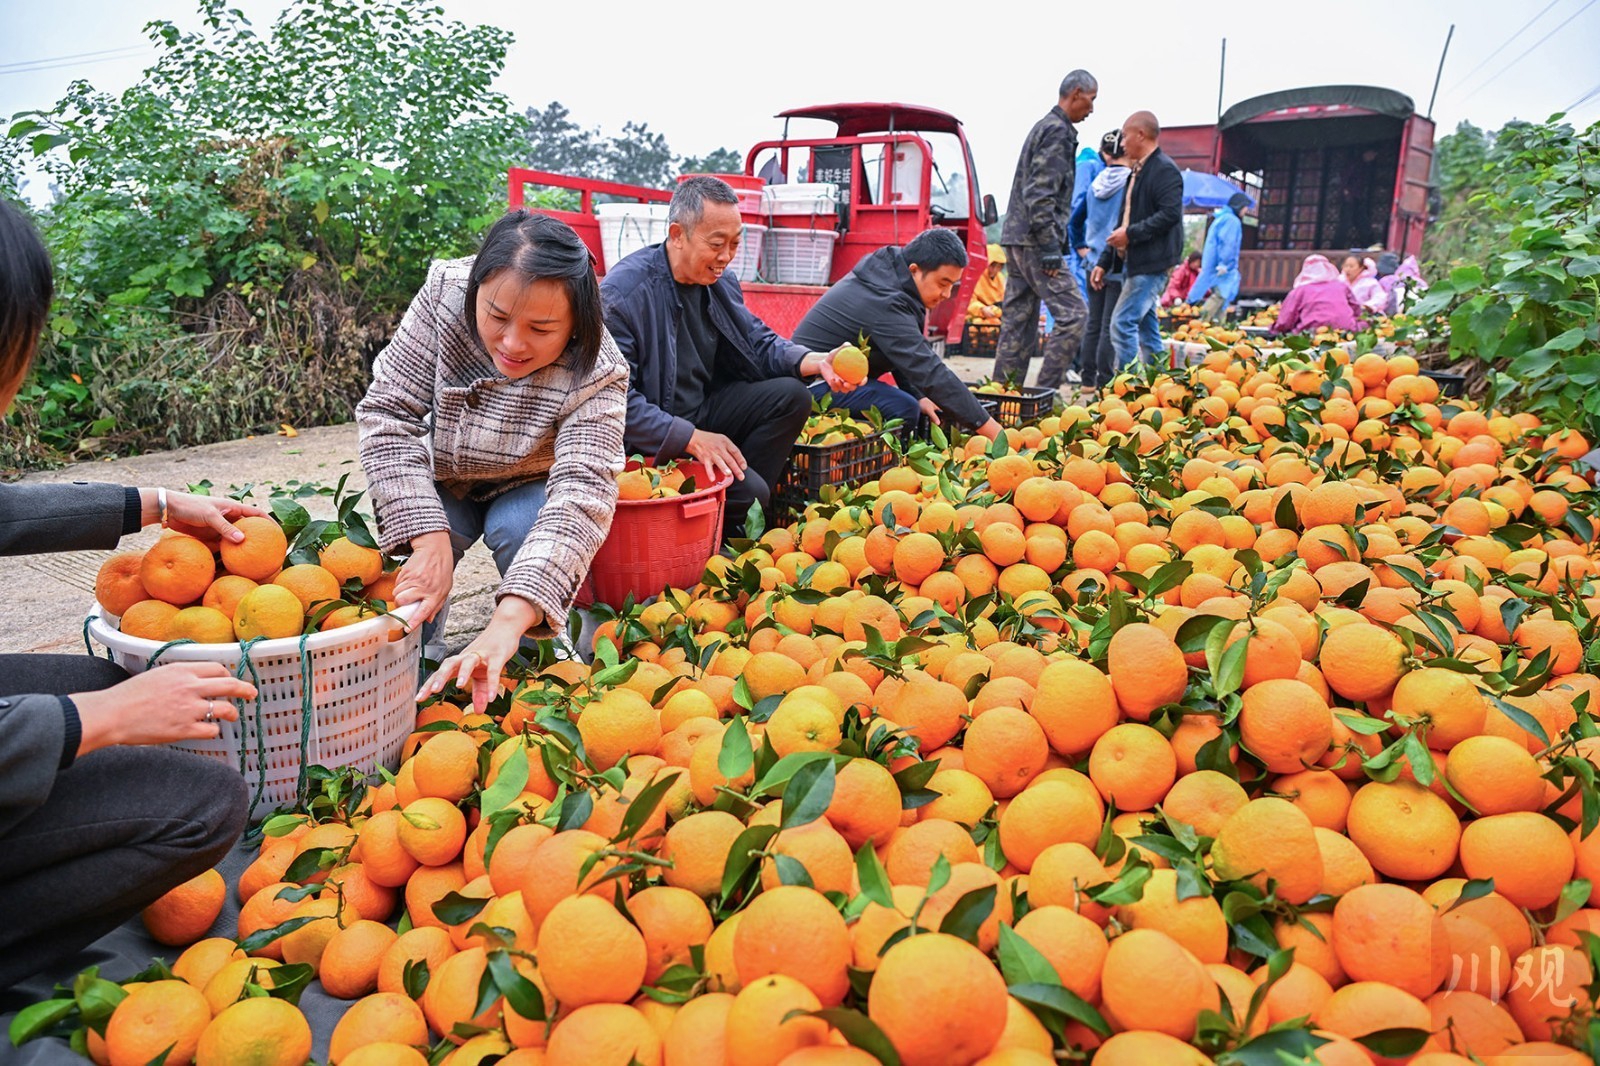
x: 1530, y: 311
x: 236, y: 235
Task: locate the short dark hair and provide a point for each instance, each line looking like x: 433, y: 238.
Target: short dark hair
x: 26, y: 286
x: 689, y: 199
x: 1194, y: 257
x: 934, y: 248
x: 540, y: 248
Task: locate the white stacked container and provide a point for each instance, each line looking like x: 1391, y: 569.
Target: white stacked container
x: 746, y: 265
x: 800, y: 242
x: 626, y: 228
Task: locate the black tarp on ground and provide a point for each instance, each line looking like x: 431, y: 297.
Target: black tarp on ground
x: 125, y: 952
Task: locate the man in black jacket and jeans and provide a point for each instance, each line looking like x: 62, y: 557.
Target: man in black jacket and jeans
x: 1034, y: 236
x: 1147, y: 244
x: 886, y: 299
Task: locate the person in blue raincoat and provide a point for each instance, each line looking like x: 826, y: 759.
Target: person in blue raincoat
x: 1219, y: 262
x: 1090, y: 163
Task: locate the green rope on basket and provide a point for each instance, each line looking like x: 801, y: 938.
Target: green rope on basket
x: 88, y: 645
x: 306, y: 711
x: 247, y: 664
x: 159, y: 652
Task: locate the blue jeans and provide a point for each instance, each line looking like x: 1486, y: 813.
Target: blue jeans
x: 503, y: 524
x: 891, y: 401
x: 1135, y: 330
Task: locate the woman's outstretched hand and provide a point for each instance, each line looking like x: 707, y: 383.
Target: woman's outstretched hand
x: 479, y: 665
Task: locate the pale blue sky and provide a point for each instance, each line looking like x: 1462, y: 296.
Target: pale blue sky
x: 706, y: 83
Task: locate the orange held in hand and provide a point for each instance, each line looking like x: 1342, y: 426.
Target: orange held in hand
x: 850, y: 363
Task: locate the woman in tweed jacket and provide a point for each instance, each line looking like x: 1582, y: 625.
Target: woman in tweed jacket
x: 497, y: 412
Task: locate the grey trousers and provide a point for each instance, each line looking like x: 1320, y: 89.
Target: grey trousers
x: 121, y: 826
x: 1027, y: 285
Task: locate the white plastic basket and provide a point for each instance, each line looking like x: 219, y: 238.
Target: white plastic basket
x: 802, y: 198
x: 798, y: 256
x: 750, y: 201
x: 747, y: 263
x: 626, y: 228
x: 364, y: 687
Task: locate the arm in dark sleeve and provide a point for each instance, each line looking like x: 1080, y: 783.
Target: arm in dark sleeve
x: 1076, y: 225
x: 1049, y: 172
x: 59, y: 517
x: 1168, y: 200
x: 922, y: 373
x: 33, y: 737
x: 775, y: 356
x: 649, y: 428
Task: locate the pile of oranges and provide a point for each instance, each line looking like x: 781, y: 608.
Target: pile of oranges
x: 647, y: 482
x: 826, y: 427
x: 1197, y: 330
x: 1245, y: 715
x: 193, y: 585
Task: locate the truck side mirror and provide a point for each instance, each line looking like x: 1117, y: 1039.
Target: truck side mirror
x: 991, y: 213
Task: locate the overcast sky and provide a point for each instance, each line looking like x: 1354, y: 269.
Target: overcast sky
x: 715, y: 79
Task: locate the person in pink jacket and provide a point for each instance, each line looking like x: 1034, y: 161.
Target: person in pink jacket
x: 1320, y: 298
x: 1362, y: 274
x: 1182, y: 280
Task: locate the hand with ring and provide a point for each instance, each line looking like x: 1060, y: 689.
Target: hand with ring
x: 178, y: 701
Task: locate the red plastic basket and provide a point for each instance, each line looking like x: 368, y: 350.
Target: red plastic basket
x: 654, y: 544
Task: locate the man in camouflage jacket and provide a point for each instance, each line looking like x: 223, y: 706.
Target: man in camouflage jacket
x: 1034, y: 236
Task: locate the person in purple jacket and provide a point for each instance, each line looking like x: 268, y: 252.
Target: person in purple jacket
x: 1320, y: 298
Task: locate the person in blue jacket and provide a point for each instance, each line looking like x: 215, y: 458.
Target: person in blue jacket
x: 1090, y: 163
x: 1219, y: 262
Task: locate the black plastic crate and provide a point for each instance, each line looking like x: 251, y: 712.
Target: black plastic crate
x: 924, y: 427
x: 1449, y: 384
x: 979, y: 338
x: 813, y: 466
x: 1028, y: 404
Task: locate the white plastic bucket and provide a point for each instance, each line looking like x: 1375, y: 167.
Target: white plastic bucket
x: 626, y: 228
x: 746, y: 264
x: 363, y: 684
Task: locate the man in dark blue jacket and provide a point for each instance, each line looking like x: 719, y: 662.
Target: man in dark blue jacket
x: 708, y: 379
x: 886, y: 299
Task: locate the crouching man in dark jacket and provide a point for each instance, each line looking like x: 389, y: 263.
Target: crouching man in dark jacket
x: 708, y: 379
x: 886, y: 298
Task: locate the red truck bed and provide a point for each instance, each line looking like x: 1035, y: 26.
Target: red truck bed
x: 1333, y: 168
